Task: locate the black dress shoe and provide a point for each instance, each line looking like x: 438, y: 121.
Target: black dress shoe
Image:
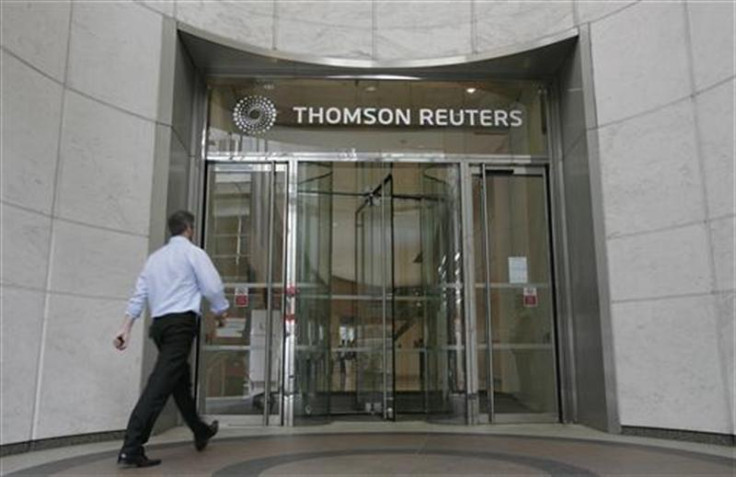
x: 139, y: 460
x: 201, y: 442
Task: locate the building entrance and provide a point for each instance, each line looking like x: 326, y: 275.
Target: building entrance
x: 349, y: 286
x: 380, y: 276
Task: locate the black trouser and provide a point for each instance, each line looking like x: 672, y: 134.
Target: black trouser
x: 173, y: 335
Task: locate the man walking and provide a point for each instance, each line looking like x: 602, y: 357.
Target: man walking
x: 173, y: 281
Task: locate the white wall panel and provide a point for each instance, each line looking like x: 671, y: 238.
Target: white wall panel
x: 24, y: 238
x: 105, y: 171
x: 31, y: 107
x: 716, y: 126
x: 660, y: 264
x: 712, y: 37
x: 38, y: 32
x: 21, y: 323
x: 245, y: 22
x: 669, y: 372
x: 93, y: 262
x: 87, y: 385
x: 398, y: 43
x: 165, y: 7
x: 115, y: 53
x: 421, y: 15
x: 651, y: 175
x: 588, y: 11
x: 327, y: 12
x: 722, y: 235
x: 640, y: 59
x: 514, y: 24
x: 322, y: 40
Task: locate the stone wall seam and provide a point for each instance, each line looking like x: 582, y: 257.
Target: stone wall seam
x: 720, y: 218
x: 274, y: 25
x: 10, y: 203
x: 639, y: 233
x: 374, y: 29
x: 141, y: 4
x: 473, y: 28
x: 22, y: 287
x: 61, y: 218
x: 666, y: 105
x: 665, y: 297
x: 89, y: 296
x: 722, y: 353
x: 34, y: 68
x: 113, y: 106
x: 717, y: 84
x: 611, y: 13
x: 35, y: 416
x: 426, y: 27
x: 646, y: 112
x: 575, y: 142
x: 178, y: 138
x: 65, y: 293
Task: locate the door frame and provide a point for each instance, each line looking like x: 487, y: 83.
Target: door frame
x: 270, y: 285
x: 474, y: 414
x: 482, y: 169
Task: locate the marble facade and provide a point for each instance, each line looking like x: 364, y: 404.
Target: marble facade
x: 80, y: 79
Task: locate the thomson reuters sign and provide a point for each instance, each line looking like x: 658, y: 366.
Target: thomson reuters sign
x: 256, y: 114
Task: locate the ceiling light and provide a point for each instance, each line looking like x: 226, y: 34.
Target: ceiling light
x: 376, y: 77
x: 471, y: 90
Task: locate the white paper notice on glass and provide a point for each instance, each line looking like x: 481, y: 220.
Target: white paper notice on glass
x: 518, y: 270
x: 233, y: 328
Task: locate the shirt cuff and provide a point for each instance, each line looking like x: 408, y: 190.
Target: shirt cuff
x: 221, y: 308
x: 132, y: 316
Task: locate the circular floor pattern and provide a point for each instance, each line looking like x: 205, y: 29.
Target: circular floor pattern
x: 401, y: 454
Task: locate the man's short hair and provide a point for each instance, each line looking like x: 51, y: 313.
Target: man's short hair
x: 179, y: 222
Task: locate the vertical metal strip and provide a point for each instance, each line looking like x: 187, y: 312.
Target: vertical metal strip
x: 269, y: 296
x: 290, y: 297
x: 384, y: 297
x: 567, y: 380
x: 392, y: 415
x: 550, y: 274
x: 490, y: 388
x: 284, y: 258
x: 201, y: 202
x: 468, y: 292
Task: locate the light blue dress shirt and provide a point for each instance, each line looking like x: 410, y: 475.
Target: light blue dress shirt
x: 174, y: 279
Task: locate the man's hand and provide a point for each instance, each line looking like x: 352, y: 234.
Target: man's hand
x: 221, y: 319
x: 122, y: 338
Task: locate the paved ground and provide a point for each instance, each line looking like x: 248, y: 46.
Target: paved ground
x: 394, y: 449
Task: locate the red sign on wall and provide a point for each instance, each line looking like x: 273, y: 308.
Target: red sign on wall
x: 530, y: 297
x: 241, y: 297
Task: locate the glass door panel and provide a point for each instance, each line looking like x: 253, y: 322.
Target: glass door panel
x: 514, y: 295
x: 374, y: 286
x: 244, y: 235
x: 442, y: 273
x: 313, y: 299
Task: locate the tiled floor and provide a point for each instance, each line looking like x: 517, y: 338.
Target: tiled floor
x: 393, y: 449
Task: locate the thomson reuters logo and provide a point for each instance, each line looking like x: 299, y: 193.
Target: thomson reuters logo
x: 254, y: 114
